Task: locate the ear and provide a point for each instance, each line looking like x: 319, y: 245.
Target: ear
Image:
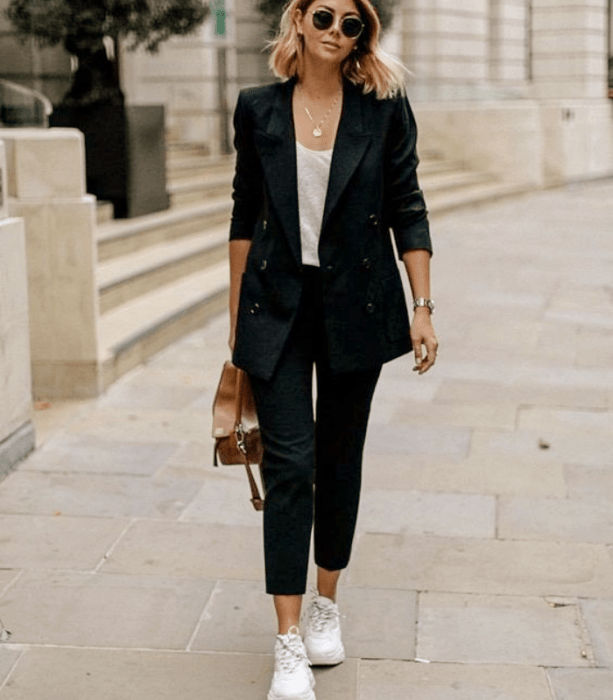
x: 298, y: 16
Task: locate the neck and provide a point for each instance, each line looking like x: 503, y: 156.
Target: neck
x: 320, y: 81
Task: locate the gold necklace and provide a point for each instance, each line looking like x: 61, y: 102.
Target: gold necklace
x: 317, y: 127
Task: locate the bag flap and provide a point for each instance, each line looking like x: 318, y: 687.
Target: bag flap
x: 224, y: 404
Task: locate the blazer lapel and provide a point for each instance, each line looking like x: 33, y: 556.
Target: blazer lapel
x: 352, y: 139
x: 278, y: 155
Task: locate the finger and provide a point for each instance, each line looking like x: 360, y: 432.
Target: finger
x: 418, y: 357
x: 432, y: 351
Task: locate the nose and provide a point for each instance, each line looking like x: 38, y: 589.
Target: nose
x: 335, y: 28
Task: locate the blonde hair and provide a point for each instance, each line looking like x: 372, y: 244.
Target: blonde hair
x: 368, y: 66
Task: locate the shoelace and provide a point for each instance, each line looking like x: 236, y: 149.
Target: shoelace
x: 291, y: 654
x: 321, y: 615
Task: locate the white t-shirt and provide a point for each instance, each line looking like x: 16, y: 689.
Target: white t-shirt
x: 313, y: 175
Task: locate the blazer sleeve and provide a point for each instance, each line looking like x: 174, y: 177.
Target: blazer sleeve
x: 247, y: 185
x: 405, y: 207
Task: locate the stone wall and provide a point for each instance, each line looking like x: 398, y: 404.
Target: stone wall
x: 16, y: 428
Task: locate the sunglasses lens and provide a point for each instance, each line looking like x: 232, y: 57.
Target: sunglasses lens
x: 352, y: 27
x: 322, y: 19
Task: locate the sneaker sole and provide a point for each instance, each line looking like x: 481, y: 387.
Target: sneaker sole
x: 329, y: 659
x: 310, y: 695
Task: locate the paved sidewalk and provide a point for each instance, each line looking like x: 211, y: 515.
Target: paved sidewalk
x: 131, y: 569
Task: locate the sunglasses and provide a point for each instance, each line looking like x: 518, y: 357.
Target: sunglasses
x: 351, y: 27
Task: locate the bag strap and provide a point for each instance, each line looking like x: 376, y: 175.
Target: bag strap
x: 256, y: 499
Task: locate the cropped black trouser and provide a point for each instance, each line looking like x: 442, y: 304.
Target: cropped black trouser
x: 302, y: 450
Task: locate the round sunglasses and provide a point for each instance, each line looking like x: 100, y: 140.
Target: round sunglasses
x: 351, y: 27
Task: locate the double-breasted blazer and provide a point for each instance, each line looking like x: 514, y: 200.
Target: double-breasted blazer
x: 372, y: 189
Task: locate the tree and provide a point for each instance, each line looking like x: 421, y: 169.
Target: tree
x: 273, y: 9
x: 88, y: 29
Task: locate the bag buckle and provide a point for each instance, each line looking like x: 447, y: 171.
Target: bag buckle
x: 240, y: 439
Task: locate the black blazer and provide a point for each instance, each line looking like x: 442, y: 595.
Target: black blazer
x: 372, y: 188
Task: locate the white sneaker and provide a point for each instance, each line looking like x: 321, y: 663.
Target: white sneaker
x: 293, y: 679
x: 322, y: 638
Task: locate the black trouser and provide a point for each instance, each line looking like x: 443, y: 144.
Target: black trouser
x: 298, y: 447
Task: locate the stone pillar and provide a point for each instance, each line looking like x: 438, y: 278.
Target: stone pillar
x: 569, y: 49
x: 46, y: 186
x: 16, y: 428
x: 446, y: 46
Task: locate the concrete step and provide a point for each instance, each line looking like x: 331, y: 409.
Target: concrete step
x: 450, y: 180
x: 193, y: 191
x: 442, y: 202
x: 122, y: 279
x: 104, y: 212
x: 126, y: 236
x: 181, y: 150
x: 179, y: 169
x: 136, y: 330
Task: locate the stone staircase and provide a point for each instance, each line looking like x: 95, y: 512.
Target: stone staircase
x: 163, y: 275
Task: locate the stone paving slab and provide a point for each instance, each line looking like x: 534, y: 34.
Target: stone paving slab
x: 142, y: 425
x: 555, y: 519
x: 377, y: 623
x: 385, y: 439
x: 590, y: 483
x: 458, y: 565
x: 528, y: 393
x: 599, y: 423
x: 493, y: 474
x: 392, y: 680
x: 474, y: 629
x: 40, y: 542
x: 418, y: 512
x: 95, y: 495
x: 144, y: 394
x: 190, y: 550
x: 582, y: 684
x: 461, y: 415
x: 91, y: 455
x: 8, y: 658
x: 570, y: 449
x: 91, y: 610
x: 224, y: 499
x: 598, y: 616
x: 75, y: 674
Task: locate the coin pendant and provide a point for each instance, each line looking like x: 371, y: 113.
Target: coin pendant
x: 317, y: 132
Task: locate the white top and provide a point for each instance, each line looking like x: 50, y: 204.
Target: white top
x: 313, y: 176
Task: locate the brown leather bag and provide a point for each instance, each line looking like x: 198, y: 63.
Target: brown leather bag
x: 235, y: 426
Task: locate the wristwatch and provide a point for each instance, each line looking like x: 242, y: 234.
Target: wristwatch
x: 428, y: 303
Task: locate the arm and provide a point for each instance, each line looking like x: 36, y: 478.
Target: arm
x: 417, y: 264
x: 246, y: 189
x: 239, y: 250
x: 409, y: 221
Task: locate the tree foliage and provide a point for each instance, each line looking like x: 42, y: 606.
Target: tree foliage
x: 75, y: 22
x: 273, y: 9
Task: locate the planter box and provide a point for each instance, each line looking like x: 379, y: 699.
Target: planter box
x: 125, y: 151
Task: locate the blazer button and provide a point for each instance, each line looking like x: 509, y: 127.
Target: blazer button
x: 366, y: 263
x: 255, y: 309
x: 370, y: 307
x: 373, y: 220
x: 263, y: 264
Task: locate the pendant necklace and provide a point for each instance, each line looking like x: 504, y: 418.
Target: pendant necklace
x: 317, y: 127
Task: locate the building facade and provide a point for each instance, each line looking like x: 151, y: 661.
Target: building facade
x: 520, y: 87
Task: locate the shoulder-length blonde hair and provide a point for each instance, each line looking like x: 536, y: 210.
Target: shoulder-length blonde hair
x: 368, y: 66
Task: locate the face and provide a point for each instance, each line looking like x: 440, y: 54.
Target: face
x: 329, y: 43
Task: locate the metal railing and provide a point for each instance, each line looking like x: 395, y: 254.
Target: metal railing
x: 20, y: 106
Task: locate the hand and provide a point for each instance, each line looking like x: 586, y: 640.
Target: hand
x: 422, y: 334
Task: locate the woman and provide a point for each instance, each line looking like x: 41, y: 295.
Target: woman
x: 325, y: 167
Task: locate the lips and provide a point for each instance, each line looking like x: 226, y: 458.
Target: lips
x: 329, y: 43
